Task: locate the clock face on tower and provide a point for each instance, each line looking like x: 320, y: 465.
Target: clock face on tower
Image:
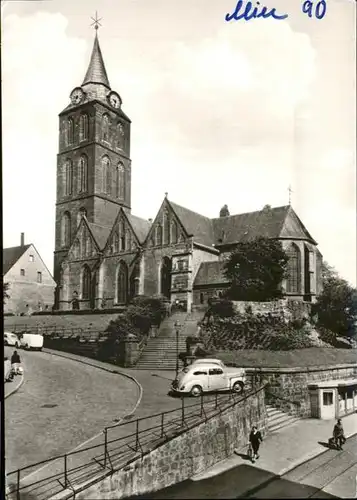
x: 114, y: 100
x: 76, y: 95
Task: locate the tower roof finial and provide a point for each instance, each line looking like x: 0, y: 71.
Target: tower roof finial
x: 96, y: 22
x: 290, y: 191
x: 96, y: 72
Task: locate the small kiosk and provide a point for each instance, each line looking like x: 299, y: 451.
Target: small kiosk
x: 332, y: 399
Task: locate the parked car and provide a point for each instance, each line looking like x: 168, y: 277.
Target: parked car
x: 208, y: 361
x: 11, y: 339
x: 31, y: 341
x: 209, y: 377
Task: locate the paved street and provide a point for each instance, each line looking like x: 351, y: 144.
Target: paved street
x: 60, y: 405
x: 329, y: 475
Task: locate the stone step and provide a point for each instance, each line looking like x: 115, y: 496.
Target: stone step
x: 277, y: 419
x: 285, y: 423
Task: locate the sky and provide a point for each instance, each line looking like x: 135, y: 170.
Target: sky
x: 222, y: 113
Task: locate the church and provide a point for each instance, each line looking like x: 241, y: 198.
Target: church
x: 104, y: 255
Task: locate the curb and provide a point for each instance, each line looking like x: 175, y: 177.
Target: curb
x: 15, y: 389
x: 308, y: 458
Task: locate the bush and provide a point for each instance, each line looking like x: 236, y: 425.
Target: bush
x: 155, y: 307
x: 140, y: 317
x: 222, y: 308
x: 256, y: 332
x: 327, y: 335
x: 116, y: 332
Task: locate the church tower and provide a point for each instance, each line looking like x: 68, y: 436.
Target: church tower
x: 93, y: 163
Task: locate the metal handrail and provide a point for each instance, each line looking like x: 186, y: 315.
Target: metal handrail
x: 186, y: 412
x: 268, y: 393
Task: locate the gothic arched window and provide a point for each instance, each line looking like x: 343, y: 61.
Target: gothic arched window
x: 105, y: 128
x: 86, y: 279
x: 122, y: 283
x: 173, y: 232
x: 83, y: 127
x: 116, y: 243
x: 120, y: 181
x: 122, y: 236
x: 105, y: 173
x: 158, y: 235
x: 68, y: 177
x: 120, y: 136
x: 70, y: 132
x: 76, y: 249
x: 293, y: 283
x: 167, y: 229
x: 83, y: 174
x: 128, y: 240
x: 88, y: 246
x: 81, y: 213
x: 66, y: 229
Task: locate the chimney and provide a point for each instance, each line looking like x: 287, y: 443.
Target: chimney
x: 22, y: 239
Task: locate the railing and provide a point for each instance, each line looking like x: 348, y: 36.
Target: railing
x: 45, y: 330
x: 293, y: 406
x: 117, y: 447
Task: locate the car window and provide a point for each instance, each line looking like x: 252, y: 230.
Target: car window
x: 200, y: 373
x: 215, y: 371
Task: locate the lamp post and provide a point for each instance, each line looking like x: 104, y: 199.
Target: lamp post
x: 177, y: 328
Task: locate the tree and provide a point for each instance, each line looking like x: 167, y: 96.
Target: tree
x: 6, y: 287
x: 256, y: 269
x: 336, y: 306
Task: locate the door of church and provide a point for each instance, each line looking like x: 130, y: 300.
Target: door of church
x: 166, y: 267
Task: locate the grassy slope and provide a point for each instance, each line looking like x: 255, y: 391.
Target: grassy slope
x: 313, y: 356
x: 94, y: 322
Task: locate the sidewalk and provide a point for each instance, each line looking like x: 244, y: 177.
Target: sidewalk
x: 287, y: 448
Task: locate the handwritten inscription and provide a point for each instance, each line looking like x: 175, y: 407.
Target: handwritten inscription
x: 320, y: 9
x: 247, y: 12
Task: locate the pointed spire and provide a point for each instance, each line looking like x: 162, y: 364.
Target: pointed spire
x: 96, y: 72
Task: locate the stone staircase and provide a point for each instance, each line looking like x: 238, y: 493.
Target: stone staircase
x: 160, y: 352
x: 277, y: 419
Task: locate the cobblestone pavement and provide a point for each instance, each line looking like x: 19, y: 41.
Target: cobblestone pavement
x: 60, y: 405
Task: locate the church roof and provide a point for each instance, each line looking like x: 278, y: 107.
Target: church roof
x: 11, y: 255
x: 140, y: 226
x: 100, y: 234
x: 196, y: 225
x: 268, y: 223
x: 96, y: 72
x: 210, y: 273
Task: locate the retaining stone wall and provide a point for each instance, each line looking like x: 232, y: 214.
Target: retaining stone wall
x: 185, y: 455
x: 292, y: 384
x: 285, y: 308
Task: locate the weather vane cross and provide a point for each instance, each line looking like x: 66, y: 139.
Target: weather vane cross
x: 290, y: 191
x: 96, y: 22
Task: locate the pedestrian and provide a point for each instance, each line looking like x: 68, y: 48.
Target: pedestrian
x: 255, y: 438
x: 199, y: 330
x: 339, y: 435
x: 15, y: 362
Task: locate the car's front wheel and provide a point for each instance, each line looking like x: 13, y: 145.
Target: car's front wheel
x: 6, y: 342
x: 238, y: 387
x: 196, y: 391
